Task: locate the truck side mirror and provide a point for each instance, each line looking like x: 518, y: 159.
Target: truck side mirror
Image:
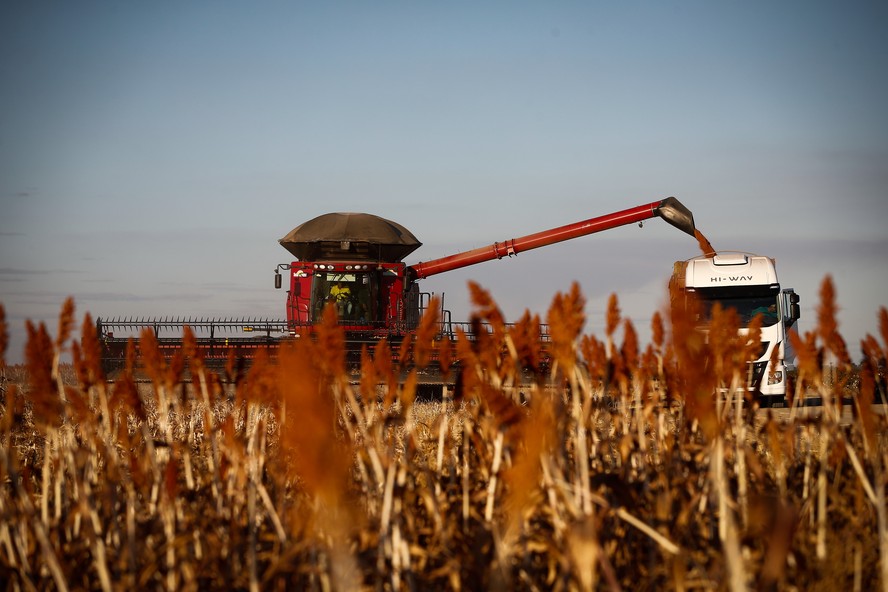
x: 795, y: 311
x: 277, y: 280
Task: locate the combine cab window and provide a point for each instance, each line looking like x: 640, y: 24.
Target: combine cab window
x: 350, y: 293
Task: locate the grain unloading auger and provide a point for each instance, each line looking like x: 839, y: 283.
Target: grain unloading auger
x: 670, y: 209
x: 355, y: 263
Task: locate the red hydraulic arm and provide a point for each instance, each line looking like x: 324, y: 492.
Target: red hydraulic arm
x: 670, y: 209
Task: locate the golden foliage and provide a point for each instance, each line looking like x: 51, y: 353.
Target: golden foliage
x: 582, y: 462
x: 566, y: 319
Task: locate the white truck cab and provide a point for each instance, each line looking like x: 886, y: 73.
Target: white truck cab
x: 748, y: 283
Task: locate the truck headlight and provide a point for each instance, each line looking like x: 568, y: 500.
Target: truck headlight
x: 776, y: 377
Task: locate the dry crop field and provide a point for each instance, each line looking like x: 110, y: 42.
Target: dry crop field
x: 618, y: 469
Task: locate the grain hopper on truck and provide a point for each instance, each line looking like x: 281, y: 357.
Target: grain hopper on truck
x: 355, y: 262
x: 747, y: 283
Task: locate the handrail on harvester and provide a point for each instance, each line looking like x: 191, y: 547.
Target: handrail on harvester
x: 105, y: 327
x: 670, y: 209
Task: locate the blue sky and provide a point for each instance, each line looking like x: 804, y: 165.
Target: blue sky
x: 151, y: 154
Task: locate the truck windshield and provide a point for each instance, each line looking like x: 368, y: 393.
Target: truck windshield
x: 746, y: 306
x: 349, y: 292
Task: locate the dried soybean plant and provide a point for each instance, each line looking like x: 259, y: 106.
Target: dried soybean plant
x: 573, y: 463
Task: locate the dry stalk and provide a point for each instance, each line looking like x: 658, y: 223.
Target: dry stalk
x: 212, y: 458
x: 466, y: 475
x: 362, y: 423
x: 46, y: 547
x: 100, y: 559
x: 822, y: 494
x: 858, y: 468
x: 256, y: 464
x: 6, y: 539
x: 494, y: 472
x: 585, y: 552
x: 658, y: 538
x: 439, y: 457
x: 46, y: 480
x: 252, y: 561
x: 882, y: 517
x: 559, y: 523
x: 806, y: 480
x: 727, y: 527
x: 584, y: 500
x: 387, y: 501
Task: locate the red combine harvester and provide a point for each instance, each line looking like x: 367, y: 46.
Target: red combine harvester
x: 355, y: 261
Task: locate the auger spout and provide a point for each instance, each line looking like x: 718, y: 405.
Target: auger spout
x: 674, y: 212
x: 670, y: 209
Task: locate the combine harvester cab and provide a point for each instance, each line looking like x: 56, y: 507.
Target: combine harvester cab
x: 353, y: 261
x: 748, y: 283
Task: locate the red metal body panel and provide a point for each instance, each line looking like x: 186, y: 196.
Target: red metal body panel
x: 538, y: 239
x: 299, y: 296
x: 384, y: 294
